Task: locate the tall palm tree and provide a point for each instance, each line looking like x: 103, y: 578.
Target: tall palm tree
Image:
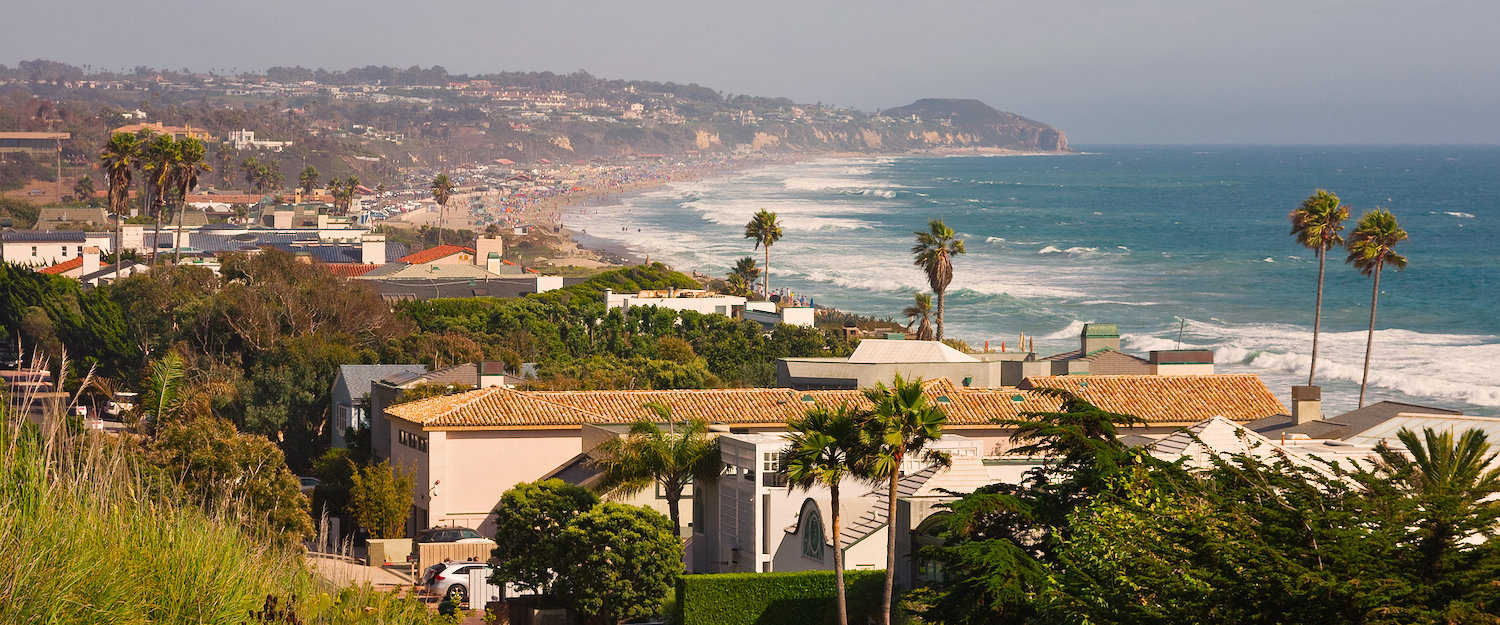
x: 190, y: 163
x: 119, y: 159
x: 823, y: 447
x: 1318, y: 225
x: 160, y: 159
x: 442, y: 189
x: 351, y: 187
x: 766, y: 230
x: 1371, y: 247
x: 900, y: 426
x: 920, y: 310
x: 307, y: 179
x: 934, y: 253
x: 681, y: 455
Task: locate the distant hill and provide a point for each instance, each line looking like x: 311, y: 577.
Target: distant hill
x: 993, y: 127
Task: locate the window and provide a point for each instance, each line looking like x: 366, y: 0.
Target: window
x: 812, y: 533
x: 413, y: 441
x: 64, y: 251
x: 33, y: 250
x: 80, y: 250
x: 771, y: 469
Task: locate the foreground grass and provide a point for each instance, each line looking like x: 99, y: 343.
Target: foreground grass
x: 84, y: 539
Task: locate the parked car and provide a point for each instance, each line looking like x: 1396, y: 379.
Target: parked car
x: 450, y: 580
x: 309, y: 484
x: 123, y: 402
x: 450, y: 535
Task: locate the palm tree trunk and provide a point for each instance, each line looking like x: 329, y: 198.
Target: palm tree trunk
x: 1317, y: 314
x: 940, y: 295
x: 765, y: 280
x: 890, y: 546
x: 1370, y: 338
x: 156, y: 238
x: 120, y: 237
x: 838, y: 559
x: 177, y: 236
x: 672, y: 501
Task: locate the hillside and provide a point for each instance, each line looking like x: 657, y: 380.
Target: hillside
x: 985, y: 125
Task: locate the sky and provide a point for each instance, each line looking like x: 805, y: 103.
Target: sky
x: 1144, y: 71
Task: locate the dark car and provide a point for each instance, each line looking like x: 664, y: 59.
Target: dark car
x: 449, y: 535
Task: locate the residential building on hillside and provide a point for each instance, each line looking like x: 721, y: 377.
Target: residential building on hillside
x: 34, y: 144
x: 245, y: 140
x: 351, y: 395
x: 44, y: 248
x: 768, y: 314
x: 467, y: 449
x: 177, y: 132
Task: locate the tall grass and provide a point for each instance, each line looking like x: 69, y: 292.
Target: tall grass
x: 84, y: 538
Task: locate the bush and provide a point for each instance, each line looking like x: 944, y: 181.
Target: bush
x: 804, y: 598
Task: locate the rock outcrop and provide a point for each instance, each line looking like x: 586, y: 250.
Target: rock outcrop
x: 981, y: 124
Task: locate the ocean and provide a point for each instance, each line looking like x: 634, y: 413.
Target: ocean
x: 1182, y: 246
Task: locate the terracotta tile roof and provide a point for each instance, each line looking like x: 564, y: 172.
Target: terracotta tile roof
x: 1156, y: 399
x: 350, y: 270
x: 433, y: 253
x: 65, y: 266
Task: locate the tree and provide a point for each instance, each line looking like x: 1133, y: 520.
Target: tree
x: 529, y: 524
x: 1319, y: 225
x: 620, y: 562
x: 766, y: 230
x: 683, y: 454
x: 1372, y: 247
x: 185, y: 178
x: 822, y: 448
x: 381, y: 497
x: 745, y: 273
x: 217, y: 465
x: 920, y: 310
x: 442, y: 189
x: 307, y: 179
x: 119, y: 159
x: 934, y: 253
x: 83, y: 189
x: 160, y: 162
x: 900, y: 426
x: 1448, y: 478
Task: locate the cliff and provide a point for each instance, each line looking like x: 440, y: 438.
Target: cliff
x: 983, y: 124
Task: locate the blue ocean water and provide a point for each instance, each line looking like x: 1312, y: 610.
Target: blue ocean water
x: 1178, y: 245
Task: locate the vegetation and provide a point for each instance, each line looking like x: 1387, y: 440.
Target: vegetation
x: 381, y: 497
x: 683, y: 454
x: 308, y: 179
x: 920, y: 313
x: 1318, y: 225
x: 934, y: 253
x: 528, y: 531
x: 765, y: 229
x: 442, y: 189
x: 1372, y: 246
x: 822, y: 449
x: 775, y: 598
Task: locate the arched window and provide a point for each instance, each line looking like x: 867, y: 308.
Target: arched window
x: 812, y: 532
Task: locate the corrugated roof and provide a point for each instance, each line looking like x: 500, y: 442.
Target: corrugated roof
x: 1156, y: 399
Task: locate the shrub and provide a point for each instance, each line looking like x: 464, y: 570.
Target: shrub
x: 803, y: 598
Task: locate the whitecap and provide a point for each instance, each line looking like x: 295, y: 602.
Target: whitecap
x: 1459, y: 215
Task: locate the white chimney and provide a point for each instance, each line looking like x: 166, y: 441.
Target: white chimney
x: 1307, y: 404
x: 90, y: 260
x: 372, y: 249
x: 492, y: 264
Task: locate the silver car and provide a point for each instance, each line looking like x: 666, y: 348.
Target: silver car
x: 450, y: 580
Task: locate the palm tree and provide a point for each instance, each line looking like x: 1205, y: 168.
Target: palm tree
x: 120, y: 157
x: 683, y: 454
x: 189, y: 165
x: 351, y: 187
x: 921, y: 310
x: 744, y: 274
x: 83, y: 189
x: 442, y: 189
x: 307, y: 179
x: 900, y: 426
x: 765, y: 229
x: 1319, y: 225
x: 822, y: 448
x: 336, y: 189
x: 1372, y: 247
x: 161, y: 158
x: 934, y: 253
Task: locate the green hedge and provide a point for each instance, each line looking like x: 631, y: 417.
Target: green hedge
x: 804, y: 598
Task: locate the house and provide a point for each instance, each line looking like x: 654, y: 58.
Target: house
x: 50, y: 217
x: 44, y: 248
x: 32, y: 143
x: 245, y: 140
x: 389, y: 391
x: 879, y: 360
x: 768, y: 314
x: 177, y: 132
x: 468, y: 448
x: 351, y: 395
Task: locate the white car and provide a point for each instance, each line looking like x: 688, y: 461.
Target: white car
x: 450, y: 580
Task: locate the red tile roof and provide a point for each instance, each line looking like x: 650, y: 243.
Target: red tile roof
x: 433, y: 253
x: 65, y: 266
x: 1155, y: 399
x: 350, y: 270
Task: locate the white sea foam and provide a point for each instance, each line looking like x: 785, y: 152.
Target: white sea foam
x: 1073, y: 251
x: 1459, y: 214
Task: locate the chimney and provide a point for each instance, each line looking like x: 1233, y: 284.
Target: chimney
x: 1097, y: 336
x: 484, y: 245
x: 1307, y: 404
x: 90, y: 260
x: 491, y: 373
x: 492, y: 264
x: 372, y: 249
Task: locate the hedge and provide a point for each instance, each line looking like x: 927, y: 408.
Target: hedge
x: 804, y: 598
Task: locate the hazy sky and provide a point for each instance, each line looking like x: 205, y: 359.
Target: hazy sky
x: 1157, y: 71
